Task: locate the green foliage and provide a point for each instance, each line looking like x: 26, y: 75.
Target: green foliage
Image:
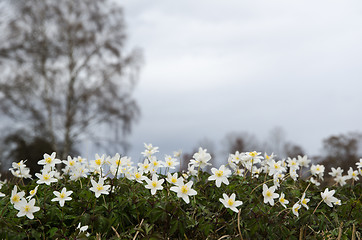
x: 131, y: 210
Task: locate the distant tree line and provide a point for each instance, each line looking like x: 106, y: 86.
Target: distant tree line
x: 341, y: 150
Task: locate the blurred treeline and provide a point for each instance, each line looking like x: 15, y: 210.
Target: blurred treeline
x: 338, y: 150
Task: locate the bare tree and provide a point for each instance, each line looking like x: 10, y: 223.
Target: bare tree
x: 64, y: 68
x: 342, y: 150
x: 241, y: 141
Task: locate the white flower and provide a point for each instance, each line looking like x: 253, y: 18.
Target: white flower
x: 82, y: 229
x: 99, y: 188
x: 341, y: 180
x: 144, y: 167
x: 317, y: 170
x: 20, y: 170
x: 304, y: 201
x: 154, y: 184
x: 336, y: 172
x: 328, y: 198
x: 303, y: 161
x: 254, y: 157
x: 359, y: 164
x: 282, y: 200
x: 184, y: 190
x: 150, y: 150
x: 70, y: 163
x: 220, y: 175
x: 155, y: 164
x: 26, y: 208
x: 49, y: 160
x: 314, y: 181
x: 239, y: 172
x: 269, y: 194
x: 62, y: 196
x: 2, y: 194
x: 32, y: 192
x: 295, y: 209
x: 353, y: 174
x: 230, y: 202
x: 172, y: 178
x: 201, y: 158
x: 177, y: 153
x: 293, y: 163
x: 235, y: 158
x: 275, y: 167
x: 138, y: 176
x: 293, y: 174
x: 171, y: 162
x: 46, y: 177
x: 97, y: 164
x: 16, y: 196
x: 191, y: 171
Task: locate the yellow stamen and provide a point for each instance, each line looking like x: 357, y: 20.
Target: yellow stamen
x: 230, y: 202
x: 184, y: 189
x: 98, y: 162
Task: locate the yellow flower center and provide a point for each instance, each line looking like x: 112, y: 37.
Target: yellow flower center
x: 276, y: 166
x: 253, y: 154
x: 71, y: 163
x: 137, y: 175
x: 268, y: 193
x: 173, y: 180
x: 27, y: 208
x: 32, y: 192
x: 98, y: 162
x: 184, y: 189
x: 15, y: 198
x: 48, y: 160
x: 145, y: 166
x: 304, y: 201
x: 62, y: 195
x: 219, y: 173
x: 230, y: 202
x: 296, y: 209
x: 46, y: 177
x: 282, y: 200
x: 154, y: 183
x: 99, y: 187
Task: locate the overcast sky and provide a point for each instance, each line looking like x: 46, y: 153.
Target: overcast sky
x: 214, y: 67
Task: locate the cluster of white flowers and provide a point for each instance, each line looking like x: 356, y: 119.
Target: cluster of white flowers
x: 20, y: 170
x: 148, y: 172
x: 340, y: 179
